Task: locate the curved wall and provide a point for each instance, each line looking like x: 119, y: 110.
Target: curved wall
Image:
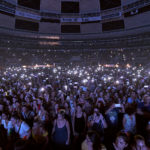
x: 90, y: 22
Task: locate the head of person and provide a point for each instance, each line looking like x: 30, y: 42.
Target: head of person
x: 15, y: 119
x: 1, y: 107
x: 25, y: 145
x: 83, y: 95
x: 130, y: 109
x: 34, y: 103
x: 24, y: 109
x: 101, y: 94
x: 61, y: 114
x: 121, y: 141
x: 147, y: 100
x: 20, y: 145
x: 139, y: 142
x: 100, y: 104
x: 79, y: 108
x: 4, y: 116
x: 56, y: 106
x: 36, y: 123
x: 133, y: 94
x: 10, y: 108
x: 96, y: 112
x: 66, y: 105
x: 17, y: 104
x: 93, y: 140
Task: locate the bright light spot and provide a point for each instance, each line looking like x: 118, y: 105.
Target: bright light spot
x: 54, y: 70
x: 29, y: 83
x: 42, y: 89
x: 128, y: 66
x: 121, y: 77
x: 117, y: 66
x: 75, y: 72
x: 117, y: 82
x: 105, y: 79
x: 65, y: 87
x: 88, y: 77
x: 92, y: 80
x: 85, y: 81
x: 134, y: 80
x: 59, y: 68
x: 109, y: 78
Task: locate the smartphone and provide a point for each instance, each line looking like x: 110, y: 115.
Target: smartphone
x: 100, y: 99
x: 117, y: 105
x: 146, y: 86
x: 75, y: 83
x: 59, y: 91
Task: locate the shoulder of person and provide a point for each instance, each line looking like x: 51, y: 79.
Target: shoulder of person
x: 55, y: 121
x: 133, y: 148
x: 84, y: 114
x: 9, y: 123
x: 84, y: 145
x: 126, y: 115
x: 25, y: 125
x: 148, y: 148
x: 66, y: 122
x: 2, y: 121
x: 103, y: 147
x: 90, y: 117
x: 129, y: 100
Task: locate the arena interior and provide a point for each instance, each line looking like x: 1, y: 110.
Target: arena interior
x: 75, y: 74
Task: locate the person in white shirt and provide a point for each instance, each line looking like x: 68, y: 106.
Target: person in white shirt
x: 21, y: 127
x: 6, y: 123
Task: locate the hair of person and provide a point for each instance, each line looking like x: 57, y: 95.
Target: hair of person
x: 37, y: 121
x: 130, y: 109
x: 89, y: 100
x: 25, y: 145
x: 79, y: 105
x: 95, y: 139
x: 101, y: 104
x: 95, y: 107
x: 15, y: 116
x: 61, y: 112
x: 20, y: 144
x: 123, y: 136
x: 145, y: 97
x: 134, y: 91
x: 109, y: 104
x: 67, y: 103
x: 138, y: 137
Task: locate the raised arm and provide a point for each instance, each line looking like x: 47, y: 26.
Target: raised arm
x: 103, y: 121
x: 53, y: 130
x: 68, y: 131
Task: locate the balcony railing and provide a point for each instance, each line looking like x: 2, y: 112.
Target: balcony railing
x: 111, y: 16
x: 8, y: 7
x: 136, y: 5
x: 50, y: 15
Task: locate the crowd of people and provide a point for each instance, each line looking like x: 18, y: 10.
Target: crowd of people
x: 75, y: 108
